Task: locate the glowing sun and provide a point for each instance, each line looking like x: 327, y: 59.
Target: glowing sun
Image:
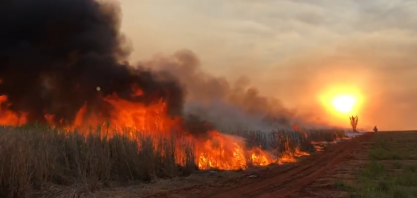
x: 344, y: 103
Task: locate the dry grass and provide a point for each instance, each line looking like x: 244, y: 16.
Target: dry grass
x: 283, y: 141
x: 35, y: 158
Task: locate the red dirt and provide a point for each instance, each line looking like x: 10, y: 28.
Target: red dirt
x: 286, y: 182
x: 312, y: 176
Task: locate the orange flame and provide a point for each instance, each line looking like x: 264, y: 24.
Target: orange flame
x: 215, y: 151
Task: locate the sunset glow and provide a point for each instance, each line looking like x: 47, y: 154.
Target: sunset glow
x: 344, y: 103
x: 342, y: 100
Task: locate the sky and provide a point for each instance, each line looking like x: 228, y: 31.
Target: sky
x: 295, y: 50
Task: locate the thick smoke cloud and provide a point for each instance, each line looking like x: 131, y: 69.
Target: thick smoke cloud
x: 53, y: 55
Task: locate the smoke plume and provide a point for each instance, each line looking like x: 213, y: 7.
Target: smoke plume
x: 54, y: 55
x: 229, y: 105
x: 296, y: 50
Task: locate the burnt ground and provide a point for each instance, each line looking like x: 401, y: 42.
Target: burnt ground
x: 313, y: 176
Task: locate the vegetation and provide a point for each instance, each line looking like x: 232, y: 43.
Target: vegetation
x: 391, y: 171
x: 354, y: 122
x: 284, y: 140
x: 34, y: 158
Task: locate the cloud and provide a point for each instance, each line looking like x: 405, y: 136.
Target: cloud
x: 293, y: 49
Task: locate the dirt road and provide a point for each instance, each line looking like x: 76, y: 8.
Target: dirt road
x: 286, y: 182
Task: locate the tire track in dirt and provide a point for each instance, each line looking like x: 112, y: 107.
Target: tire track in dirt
x: 282, y: 185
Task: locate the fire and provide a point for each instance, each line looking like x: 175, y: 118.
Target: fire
x: 260, y: 157
x: 8, y: 117
x: 221, y: 152
x: 212, y: 151
x: 318, y: 146
x: 62, y: 76
x: 290, y: 157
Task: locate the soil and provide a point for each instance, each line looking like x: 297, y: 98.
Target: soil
x: 313, y: 176
x: 293, y: 182
x: 304, y: 179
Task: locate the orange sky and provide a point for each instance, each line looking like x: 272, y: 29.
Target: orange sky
x: 294, y: 50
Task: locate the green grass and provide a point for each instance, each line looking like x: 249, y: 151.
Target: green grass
x: 383, y: 154
x: 390, y: 171
x: 341, y: 185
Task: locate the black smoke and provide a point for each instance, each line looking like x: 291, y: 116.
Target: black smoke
x: 55, y: 53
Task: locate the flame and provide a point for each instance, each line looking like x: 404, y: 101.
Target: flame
x: 8, y: 117
x: 290, y: 157
x: 299, y: 153
x: 213, y: 151
x: 260, y: 157
x: 221, y: 152
x: 297, y: 128
x: 318, y: 146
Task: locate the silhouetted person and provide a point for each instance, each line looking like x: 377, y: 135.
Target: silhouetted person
x: 375, y: 129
